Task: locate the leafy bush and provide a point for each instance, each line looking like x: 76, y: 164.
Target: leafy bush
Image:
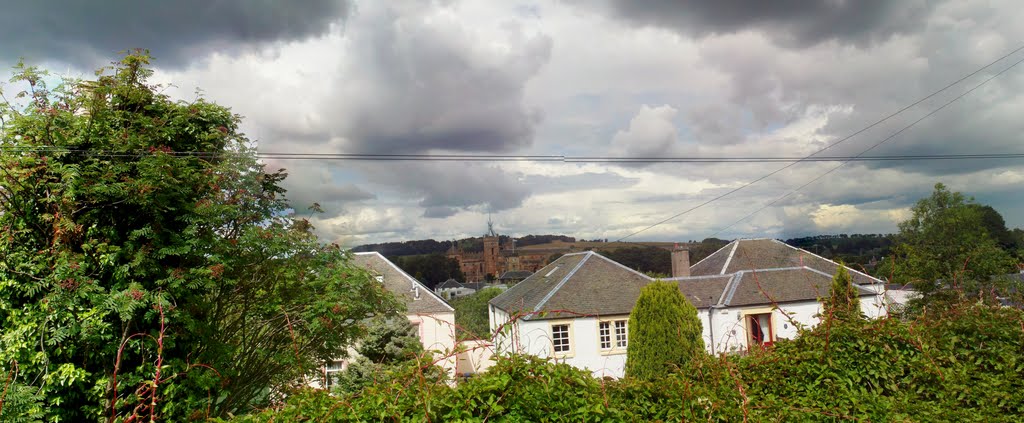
x: 963, y: 366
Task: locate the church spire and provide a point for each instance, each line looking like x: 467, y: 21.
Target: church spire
x: 490, y: 226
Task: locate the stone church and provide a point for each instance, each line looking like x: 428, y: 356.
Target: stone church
x: 495, y: 259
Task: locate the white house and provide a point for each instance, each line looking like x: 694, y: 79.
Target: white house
x: 432, y: 317
x: 749, y: 293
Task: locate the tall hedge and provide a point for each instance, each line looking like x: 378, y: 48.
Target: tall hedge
x: 664, y: 332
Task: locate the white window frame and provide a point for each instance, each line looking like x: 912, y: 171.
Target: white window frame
x: 604, y: 335
x: 569, y: 346
x: 331, y: 369
x: 621, y: 336
x: 616, y: 345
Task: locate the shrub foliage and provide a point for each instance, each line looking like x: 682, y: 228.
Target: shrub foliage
x: 965, y: 366
x: 664, y: 332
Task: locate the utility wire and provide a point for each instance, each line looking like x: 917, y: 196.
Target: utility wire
x: 876, y: 123
x: 845, y: 162
x: 505, y: 158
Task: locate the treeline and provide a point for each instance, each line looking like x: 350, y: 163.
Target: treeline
x: 430, y: 269
x: 469, y: 245
x: 407, y: 248
x: 657, y: 261
x: 855, y: 249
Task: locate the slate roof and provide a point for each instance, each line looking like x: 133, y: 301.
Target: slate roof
x: 779, y: 286
x: 515, y: 274
x: 588, y: 283
x: 449, y: 284
x: 702, y: 292
x: 764, y: 254
x: 401, y: 284
x: 580, y: 283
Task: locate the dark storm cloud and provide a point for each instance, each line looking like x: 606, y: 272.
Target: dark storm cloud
x: 332, y: 197
x: 796, y: 22
x: 436, y: 86
x: 90, y: 33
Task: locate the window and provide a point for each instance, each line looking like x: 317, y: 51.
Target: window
x: 560, y: 338
x: 604, y: 330
x: 612, y: 335
x: 331, y: 371
x: 759, y: 329
x: 620, y: 334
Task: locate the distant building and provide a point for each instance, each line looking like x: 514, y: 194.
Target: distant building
x: 495, y: 259
x: 452, y: 289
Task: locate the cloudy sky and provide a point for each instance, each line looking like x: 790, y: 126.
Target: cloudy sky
x: 582, y: 78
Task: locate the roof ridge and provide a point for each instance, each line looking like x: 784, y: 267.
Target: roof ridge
x: 562, y: 282
x: 729, y: 260
x: 621, y: 265
x: 830, y: 261
x: 730, y: 289
x: 514, y: 289
x: 684, y: 278
x: 414, y: 280
x: 716, y: 252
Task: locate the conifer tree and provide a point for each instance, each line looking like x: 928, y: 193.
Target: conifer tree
x: 843, y: 301
x: 664, y: 332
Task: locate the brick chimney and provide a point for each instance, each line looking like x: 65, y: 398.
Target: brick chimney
x: 680, y: 262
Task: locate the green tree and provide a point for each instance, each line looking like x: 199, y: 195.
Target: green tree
x: 945, y: 249
x: 471, y: 317
x: 843, y: 301
x: 390, y: 339
x: 148, y: 265
x: 390, y: 349
x: 664, y: 332
x: 431, y: 269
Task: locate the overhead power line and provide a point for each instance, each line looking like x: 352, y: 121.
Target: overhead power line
x: 507, y: 158
x: 883, y: 141
x: 808, y: 157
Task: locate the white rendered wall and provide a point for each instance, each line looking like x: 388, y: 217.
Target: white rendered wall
x: 585, y: 352
x: 437, y: 333
x: 475, y: 357
x: 504, y: 334
x: 730, y: 327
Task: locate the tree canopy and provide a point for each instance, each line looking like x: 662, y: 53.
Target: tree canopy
x: 471, y: 317
x: 843, y: 301
x: 946, y: 247
x: 149, y: 265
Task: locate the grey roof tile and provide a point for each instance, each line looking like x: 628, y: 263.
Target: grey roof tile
x: 400, y: 284
x: 780, y: 286
x: 764, y: 254
x: 525, y: 295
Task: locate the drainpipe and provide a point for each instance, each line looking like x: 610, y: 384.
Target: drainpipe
x: 711, y: 328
